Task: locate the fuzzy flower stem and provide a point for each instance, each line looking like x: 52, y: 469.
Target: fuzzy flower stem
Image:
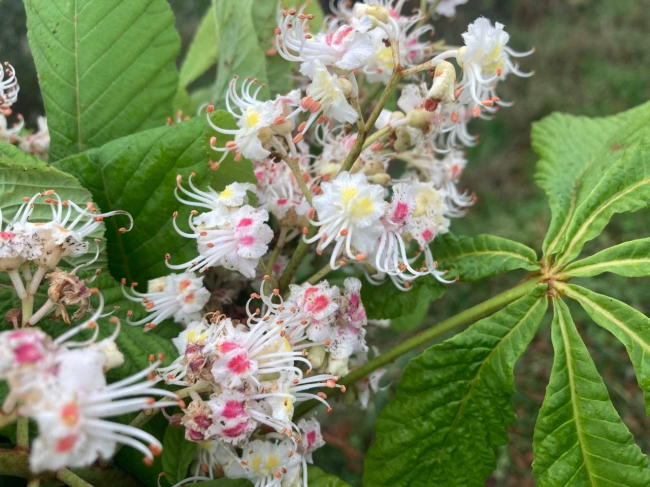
x: 69, y: 478
x: 295, y: 169
x: 299, y: 254
x: 385, y: 96
x: 423, y: 8
x: 320, y: 274
x: 376, y: 136
x: 27, y: 308
x: 276, y: 251
x: 468, y: 316
x: 22, y: 433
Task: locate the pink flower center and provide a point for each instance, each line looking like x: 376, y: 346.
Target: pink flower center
x: 247, y: 240
x: 233, y: 409
x: 311, y: 439
x: 66, y: 444
x: 226, y: 347
x: 426, y: 235
x: 7, y: 235
x: 282, y: 201
x: 27, y: 352
x: 239, y: 364
x: 245, y: 222
x: 235, y: 431
x: 401, y: 212
x: 70, y: 414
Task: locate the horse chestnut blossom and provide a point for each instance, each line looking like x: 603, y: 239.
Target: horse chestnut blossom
x: 177, y: 296
x: 260, y: 122
x: 8, y: 88
x: 348, y: 211
x: 61, y: 385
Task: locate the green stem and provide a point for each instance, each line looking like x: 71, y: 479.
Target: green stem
x: 463, y: 318
x: 295, y: 169
x: 22, y: 433
x: 27, y: 307
x: 69, y: 478
x: 320, y: 274
x: 276, y: 251
x: 385, y: 96
x: 296, y: 259
x: 376, y: 136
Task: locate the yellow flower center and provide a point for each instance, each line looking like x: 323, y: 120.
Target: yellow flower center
x: 385, y: 58
x: 251, y: 118
x: 227, y: 193
x: 362, y: 208
x: 348, y: 195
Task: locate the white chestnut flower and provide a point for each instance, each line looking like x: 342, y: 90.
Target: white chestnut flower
x: 267, y: 463
x: 343, y: 50
x: 10, y: 134
x: 218, y: 204
x: 348, y: 212
x: 238, y: 244
x: 177, y: 296
x: 38, y: 143
x: 256, y: 121
x: 447, y: 8
x: 8, y: 88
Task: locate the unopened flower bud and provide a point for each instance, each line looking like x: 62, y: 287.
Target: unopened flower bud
x: 442, y: 89
x: 374, y: 11
x: 157, y: 285
x: 382, y: 179
x: 419, y: 119
x: 317, y: 356
x: 402, y: 140
x: 338, y: 367
x: 114, y: 358
x: 346, y: 86
x: 265, y: 135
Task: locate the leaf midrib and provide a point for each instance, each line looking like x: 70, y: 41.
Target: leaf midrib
x: 581, y: 297
x: 583, y: 228
x: 609, y: 263
x: 494, y: 252
x: 574, y: 404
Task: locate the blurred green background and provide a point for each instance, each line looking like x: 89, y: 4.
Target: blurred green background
x: 592, y: 59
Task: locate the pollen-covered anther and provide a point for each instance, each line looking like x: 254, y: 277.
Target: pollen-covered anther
x: 168, y: 256
x: 343, y: 389
x: 328, y: 342
x: 360, y: 256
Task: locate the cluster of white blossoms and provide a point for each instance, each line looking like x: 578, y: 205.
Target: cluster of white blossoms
x: 366, y: 188
x: 248, y: 377
x: 34, y: 248
x: 37, y: 143
x: 362, y: 211
x: 61, y: 385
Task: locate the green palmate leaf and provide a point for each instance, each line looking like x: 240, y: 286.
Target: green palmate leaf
x: 204, y: 50
x: 452, y: 405
x: 625, y: 187
x: 568, y: 146
x: 138, y: 174
x: 318, y: 478
x: 482, y: 256
x: 23, y: 175
x: 629, y: 259
x: 625, y: 323
x: 229, y: 171
x: 579, y: 437
x: 178, y: 454
x: 239, y: 53
x: 386, y: 301
x: 106, y: 68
